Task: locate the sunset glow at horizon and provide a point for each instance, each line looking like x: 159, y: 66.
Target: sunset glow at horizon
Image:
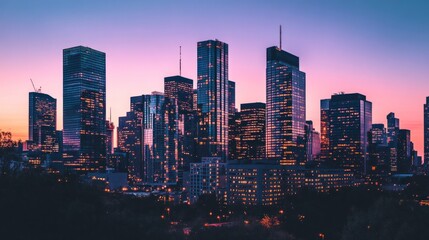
x: 379, y: 50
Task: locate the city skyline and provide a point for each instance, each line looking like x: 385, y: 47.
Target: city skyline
x: 370, y: 70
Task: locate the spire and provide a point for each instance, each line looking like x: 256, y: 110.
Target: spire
x: 280, y: 37
x: 180, y: 60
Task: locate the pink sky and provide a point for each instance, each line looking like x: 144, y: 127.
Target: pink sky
x: 378, y: 50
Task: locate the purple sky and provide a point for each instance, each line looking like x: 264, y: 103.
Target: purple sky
x: 377, y: 48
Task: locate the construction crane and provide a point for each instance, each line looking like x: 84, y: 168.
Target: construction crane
x: 36, y: 90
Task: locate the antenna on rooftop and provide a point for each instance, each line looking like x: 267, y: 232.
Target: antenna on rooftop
x: 280, y: 37
x: 180, y: 60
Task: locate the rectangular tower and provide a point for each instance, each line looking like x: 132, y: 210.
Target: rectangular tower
x: 84, y: 106
x: 42, y: 122
x: 213, y: 99
x: 285, y: 119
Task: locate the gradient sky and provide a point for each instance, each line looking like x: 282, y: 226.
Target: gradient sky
x: 377, y: 48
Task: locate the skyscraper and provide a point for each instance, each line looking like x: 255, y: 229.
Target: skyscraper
x: 180, y: 90
x: 84, y: 107
x: 392, y: 140
x: 325, y: 153
x: 285, y: 119
x: 130, y: 138
x: 160, y: 139
x: 42, y: 122
x: 350, y: 121
x: 110, y: 128
x: 378, y: 153
x: 426, y: 130
x: 312, y: 142
x: 251, y: 131
x: 213, y: 99
x: 404, y: 151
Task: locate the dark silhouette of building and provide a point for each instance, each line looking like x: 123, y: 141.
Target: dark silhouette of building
x: 404, y: 151
x: 426, y: 130
x: 350, y: 118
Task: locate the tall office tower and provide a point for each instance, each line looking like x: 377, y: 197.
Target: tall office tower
x: 404, y: 151
x: 160, y: 139
x: 149, y: 134
x: 325, y: 153
x: 130, y: 138
x: 180, y: 90
x: 285, y: 117
x: 426, y: 130
x: 378, y: 153
x: 350, y: 122
x: 110, y: 128
x: 312, y: 142
x: 84, y: 107
x: 213, y: 99
x: 392, y: 140
x: 392, y: 128
x: 42, y: 122
x: 251, y: 131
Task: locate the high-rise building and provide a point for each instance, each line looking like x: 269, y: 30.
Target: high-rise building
x: 392, y: 128
x: 325, y: 153
x: 378, y: 134
x: 251, y: 131
x: 212, y: 99
x: 84, y: 107
x: 110, y: 128
x: 130, y: 137
x: 180, y: 90
x: 42, y: 122
x: 426, y: 130
x: 350, y: 117
x: 285, y: 116
x: 160, y: 139
x: 404, y: 151
x: 392, y: 140
x: 312, y: 142
x: 149, y: 134
x: 378, y: 153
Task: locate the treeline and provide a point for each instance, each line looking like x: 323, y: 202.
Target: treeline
x: 34, y: 205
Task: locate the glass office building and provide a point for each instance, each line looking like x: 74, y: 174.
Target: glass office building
x: 350, y: 118
x: 285, y: 107
x: 42, y: 122
x: 212, y: 99
x: 84, y: 107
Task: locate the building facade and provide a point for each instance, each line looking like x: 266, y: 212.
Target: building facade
x: 285, y: 107
x: 212, y: 99
x: 84, y: 108
x: 350, y: 118
x: 42, y: 122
